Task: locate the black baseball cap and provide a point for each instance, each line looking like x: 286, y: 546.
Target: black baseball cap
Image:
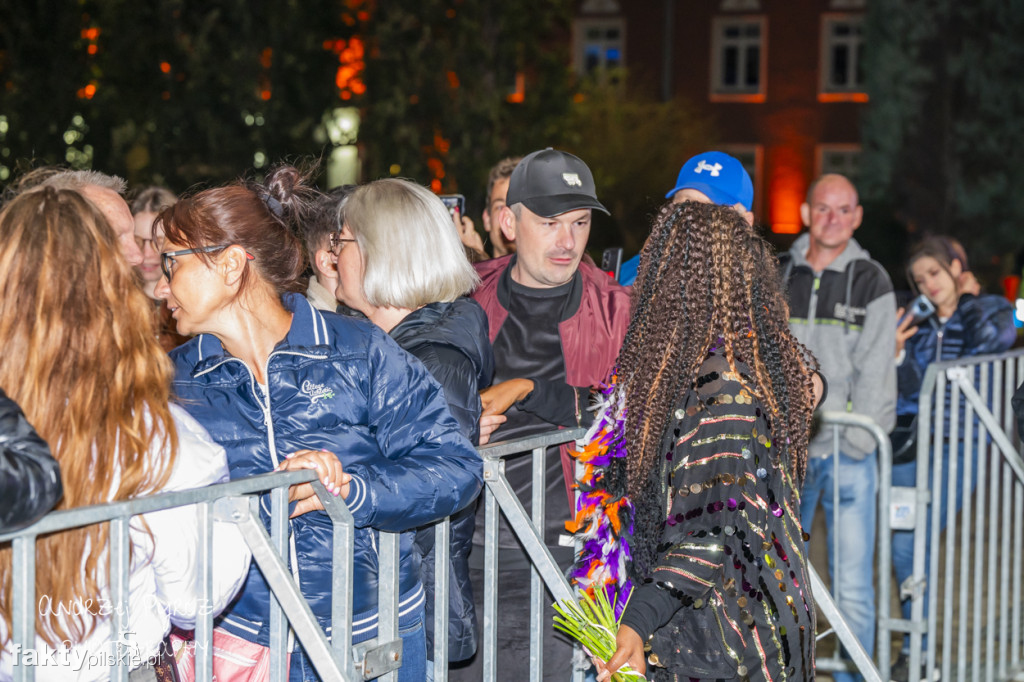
x: 550, y: 182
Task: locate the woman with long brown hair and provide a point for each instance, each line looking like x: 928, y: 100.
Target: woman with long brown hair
x: 715, y: 401
x: 81, y: 356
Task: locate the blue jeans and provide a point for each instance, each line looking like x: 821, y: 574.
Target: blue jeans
x: 414, y: 653
x: 855, y: 527
x: 905, y: 475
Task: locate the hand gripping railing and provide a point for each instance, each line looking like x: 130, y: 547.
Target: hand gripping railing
x: 235, y: 502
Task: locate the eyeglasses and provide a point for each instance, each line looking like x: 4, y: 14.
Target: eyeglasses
x: 338, y: 242
x: 167, y: 261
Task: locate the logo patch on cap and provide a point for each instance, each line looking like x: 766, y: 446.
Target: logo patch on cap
x: 572, y: 179
x: 705, y: 166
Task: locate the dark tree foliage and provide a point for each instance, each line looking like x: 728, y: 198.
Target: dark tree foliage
x: 946, y: 116
x: 441, y: 79
x: 184, y: 90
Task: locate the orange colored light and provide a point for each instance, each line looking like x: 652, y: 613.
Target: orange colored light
x: 453, y: 80
x: 363, y: 16
x: 346, y: 95
x: 440, y: 143
x: 358, y: 87
x: 265, y: 95
x: 90, y: 90
x: 520, y: 93
x: 579, y: 97
x: 435, y: 186
x: 90, y: 33
x: 787, y: 194
x: 165, y: 67
x: 755, y: 98
x: 436, y: 167
x: 859, y: 97
x: 92, y: 49
x: 266, y: 56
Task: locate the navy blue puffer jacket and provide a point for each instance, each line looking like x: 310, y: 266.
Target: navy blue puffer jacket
x: 344, y: 386
x: 451, y: 341
x: 979, y: 325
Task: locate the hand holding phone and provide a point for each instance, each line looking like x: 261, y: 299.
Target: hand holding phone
x: 920, y: 309
x: 454, y: 202
x: 908, y: 319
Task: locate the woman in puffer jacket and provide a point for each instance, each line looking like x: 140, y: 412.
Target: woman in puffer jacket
x: 81, y: 357
x: 965, y: 323
x: 401, y: 263
x: 284, y: 386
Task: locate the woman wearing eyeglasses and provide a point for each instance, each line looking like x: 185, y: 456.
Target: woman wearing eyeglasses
x: 283, y: 385
x: 402, y: 264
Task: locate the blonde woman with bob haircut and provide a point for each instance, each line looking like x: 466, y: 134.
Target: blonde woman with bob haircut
x: 401, y: 263
x: 82, y: 358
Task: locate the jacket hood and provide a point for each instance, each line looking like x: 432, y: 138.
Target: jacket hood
x: 460, y: 324
x: 853, y: 251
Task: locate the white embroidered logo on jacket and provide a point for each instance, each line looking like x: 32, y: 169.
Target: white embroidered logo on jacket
x: 316, y: 391
x: 705, y: 166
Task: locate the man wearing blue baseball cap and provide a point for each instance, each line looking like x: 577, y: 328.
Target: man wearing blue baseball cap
x: 710, y: 178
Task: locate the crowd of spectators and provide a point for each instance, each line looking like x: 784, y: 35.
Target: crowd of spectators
x: 369, y: 334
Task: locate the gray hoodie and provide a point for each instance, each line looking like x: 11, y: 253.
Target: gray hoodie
x: 846, y: 316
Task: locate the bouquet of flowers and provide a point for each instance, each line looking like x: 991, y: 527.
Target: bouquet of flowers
x: 593, y: 624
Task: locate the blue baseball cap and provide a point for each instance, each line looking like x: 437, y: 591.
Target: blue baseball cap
x: 720, y: 177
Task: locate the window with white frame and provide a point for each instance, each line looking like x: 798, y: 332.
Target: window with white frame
x: 737, y: 59
x: 598, y: 44
x: 843, y: 159
x: 842, y: 53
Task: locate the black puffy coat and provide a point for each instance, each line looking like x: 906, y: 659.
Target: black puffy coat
x: 29, y: 475
x: 450, y: 339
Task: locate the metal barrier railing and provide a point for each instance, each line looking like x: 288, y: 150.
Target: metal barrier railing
x: 859, y: 660
x: 544, y: 570
x: 335, y: 658
x: 233, y: 503
x: 966, y: 446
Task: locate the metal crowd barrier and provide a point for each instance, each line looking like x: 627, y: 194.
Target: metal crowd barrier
x: 498, y: 494
x: 334, y: 658
x: 974, y: 582
x: 859, y: 661
x: 237, y: 503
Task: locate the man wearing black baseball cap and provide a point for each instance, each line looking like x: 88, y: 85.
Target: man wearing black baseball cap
x: 557, y: 323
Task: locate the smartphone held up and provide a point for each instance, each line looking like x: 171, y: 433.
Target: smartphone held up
x: 919, y: 310
x: 454, y: 202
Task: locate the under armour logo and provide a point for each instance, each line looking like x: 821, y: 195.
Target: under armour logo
x: 572, y: 179
x: 705, y: 166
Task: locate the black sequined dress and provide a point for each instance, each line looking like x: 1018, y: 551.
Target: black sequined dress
x: 729, y: 598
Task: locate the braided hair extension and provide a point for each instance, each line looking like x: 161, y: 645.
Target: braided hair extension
x: 705, y: 277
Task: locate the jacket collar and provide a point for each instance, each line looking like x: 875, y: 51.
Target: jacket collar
x: 853, y: 251
x: 309, y: 328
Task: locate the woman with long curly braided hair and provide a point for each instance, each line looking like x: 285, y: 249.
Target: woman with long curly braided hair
x: 714, y: 406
